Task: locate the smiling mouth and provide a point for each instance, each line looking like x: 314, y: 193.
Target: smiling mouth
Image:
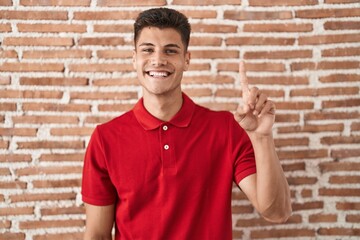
x: 158, y: 74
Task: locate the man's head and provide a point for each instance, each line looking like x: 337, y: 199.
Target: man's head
x: 163, y: 18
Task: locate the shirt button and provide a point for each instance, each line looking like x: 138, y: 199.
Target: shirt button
x: 165, y: 127
x: 166, y: 147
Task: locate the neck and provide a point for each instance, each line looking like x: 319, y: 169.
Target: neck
x: 163, y: 107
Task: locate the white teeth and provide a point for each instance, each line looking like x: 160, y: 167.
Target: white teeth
x: 158, y: 74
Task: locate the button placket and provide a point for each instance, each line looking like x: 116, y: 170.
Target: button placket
x: 168, y: 158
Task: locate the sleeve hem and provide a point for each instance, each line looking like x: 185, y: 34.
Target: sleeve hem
x: 97, y: 202
x: 244, y: 174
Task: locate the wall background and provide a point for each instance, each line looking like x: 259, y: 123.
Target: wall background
x: 65, y: 66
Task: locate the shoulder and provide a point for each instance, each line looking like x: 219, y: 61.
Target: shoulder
x: 124, y: 120
x: 212, y: 115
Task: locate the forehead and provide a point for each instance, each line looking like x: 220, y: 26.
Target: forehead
x: 159, y: 37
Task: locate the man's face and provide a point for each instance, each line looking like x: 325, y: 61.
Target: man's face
x: 160, y: 59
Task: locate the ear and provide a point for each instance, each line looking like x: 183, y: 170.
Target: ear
x: 134, y: 58
x: 187, y: 60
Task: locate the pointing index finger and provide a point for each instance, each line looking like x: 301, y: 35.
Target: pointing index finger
x: 243, y: 79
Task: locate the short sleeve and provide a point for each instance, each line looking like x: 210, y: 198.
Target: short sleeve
x: 242, y: 152
x: 97, y: 188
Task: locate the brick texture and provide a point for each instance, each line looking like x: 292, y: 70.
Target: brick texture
x: 65, y: 66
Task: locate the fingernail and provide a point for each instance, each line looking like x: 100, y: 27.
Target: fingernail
x: 255, y: 113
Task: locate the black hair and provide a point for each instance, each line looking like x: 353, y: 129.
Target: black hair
x: 163, y: 18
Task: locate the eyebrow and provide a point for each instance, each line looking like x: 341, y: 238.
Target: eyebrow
x: 167, y: 45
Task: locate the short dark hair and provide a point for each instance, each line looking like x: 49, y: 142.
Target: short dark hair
x: 163, y: 18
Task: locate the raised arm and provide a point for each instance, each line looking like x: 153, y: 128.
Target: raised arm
x: 99, y: 222
x: 268, y: 189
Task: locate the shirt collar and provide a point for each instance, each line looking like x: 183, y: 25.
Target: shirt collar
x: 181, y: 119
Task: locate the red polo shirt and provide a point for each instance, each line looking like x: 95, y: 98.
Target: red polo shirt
x: 169, y: 180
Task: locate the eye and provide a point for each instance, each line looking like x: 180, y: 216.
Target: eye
x: 147, y: 50
x: 171, y: 51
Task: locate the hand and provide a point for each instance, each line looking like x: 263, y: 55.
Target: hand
x: 257, y: 112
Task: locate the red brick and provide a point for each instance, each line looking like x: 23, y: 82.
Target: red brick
x: 105, y: 15
x: 51, y: 224
x: 74, y: 131
x: 331, y: 115
x: 66, y: 183
x: 29, y: 171
x: 337, y: 231
x: 43, y: 119
x: 328, y: 39
x: 104, y: 41
x: 353, y: 218
x: 115, y: 107
x: 237, y: 234
x: 214, y: 54
x: 33, y: 54
x: 341, y: 52
x: 278, y: 27
x: 83, y: 3
x: 198, y: 92
x: 340, y: 140
x: 341, y: 1
x: 12, y: 236
x: 355, y: 126
x: 307, y: 206
x: 4, y: 144
x: 282, y: 142
x: 306, y: 193
x: 312, y: 128
x: 218, y: 79
x: 120, y: 3
x: 15, y: 158
x: 339, y: 192
x: 322, y: 218
x: 115, y: 81
x: 12, y: 211
x: 267, y: 67
x: 59, y: 236
x: 257, y: 15
x: 13, y: 185
x: 213, y: 28
x: 53, y: 107
x: 328, y: 13
x: 199, y: 67
x: 51, y: 145
x: 345, y: 153
x: 294, y: 105
x: 205, y: 41
x: 353, y: 102
x: 37, y: 197
x: 8, y: 54
x: 241, y: 209
x: 294, y: 167
x: 6, y: 3
x: 302, y: 154
x: 39, y: 41
x: 34, y: 15
x: 97, y: 119
x: 111, y: 54
x: 218, y: 106
x: 264, y: 3
x: 343, y: 25
x: 278, y: 54
x: 54, y: 81
x: 52, y: 28
x: 101, y: 67
x: 231, y: 41
x: 344, y: 179
x: 104, y: 95
x: 62, y: 211
x: 302, y: 180
x: 5, y: 80
x: 32, y: 67
x: 200, y: 14
x: 278, y: 80
x: 282, y: 233
x: 30, y: 94
x: 7, y: 106
x: 339, y: 166
x: 70, y: 157
x: 206, y: 2
x: 5, y: 172
x: 18, y: 131
x: 340, y: 78
x: 348, y: 206
x: 5, y: 27
x: 118, y: 28
x: 330, y: 91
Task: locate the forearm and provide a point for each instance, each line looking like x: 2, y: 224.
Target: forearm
x: 272, y: 190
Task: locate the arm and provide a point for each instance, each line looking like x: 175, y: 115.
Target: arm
x: 99, y: 222
x: 268, y: 189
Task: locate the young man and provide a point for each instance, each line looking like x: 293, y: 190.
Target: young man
x: 164, y: 170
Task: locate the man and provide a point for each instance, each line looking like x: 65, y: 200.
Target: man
x: 164, y: 170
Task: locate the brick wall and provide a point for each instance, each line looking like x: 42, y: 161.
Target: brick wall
x: 65, y: 66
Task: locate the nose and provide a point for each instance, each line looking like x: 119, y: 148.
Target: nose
x: 158, y: 59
